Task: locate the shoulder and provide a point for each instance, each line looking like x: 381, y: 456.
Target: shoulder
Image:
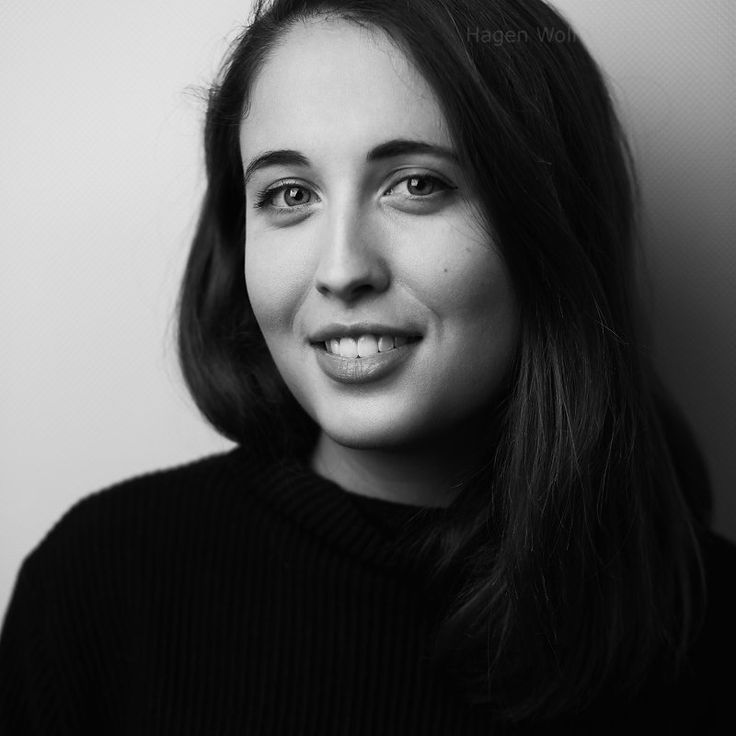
x: 143, y: 544
x: 115, y: 571
x: 718, y: 637
x: 719, y: 555
x: 147, y: 513
x: 697, y: 698
x: 700, y: 700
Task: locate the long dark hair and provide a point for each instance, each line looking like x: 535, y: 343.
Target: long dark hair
x: 579, y: 559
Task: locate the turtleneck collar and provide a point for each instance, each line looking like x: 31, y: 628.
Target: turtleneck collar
x: 375, y: 530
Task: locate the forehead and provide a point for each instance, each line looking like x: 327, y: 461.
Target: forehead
x: 334, y: 86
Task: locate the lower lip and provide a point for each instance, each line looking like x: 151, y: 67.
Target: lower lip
x: 363, y: 370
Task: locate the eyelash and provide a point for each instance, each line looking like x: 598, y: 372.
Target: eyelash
x: 264, y: 196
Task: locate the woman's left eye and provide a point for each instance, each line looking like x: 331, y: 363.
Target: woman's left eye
x: 420, y: 186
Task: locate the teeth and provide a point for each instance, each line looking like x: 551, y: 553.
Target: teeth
x: 367, y: 345
x: 385, y: 342
x: 364, y: 346
x: 348, y: 347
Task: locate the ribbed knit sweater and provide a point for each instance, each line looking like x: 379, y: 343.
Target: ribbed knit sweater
x: 237, y: 595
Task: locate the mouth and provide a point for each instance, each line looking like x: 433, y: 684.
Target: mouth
x: 364, y: 346
x: 365, y: 358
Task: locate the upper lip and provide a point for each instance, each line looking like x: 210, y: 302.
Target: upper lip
x: 336, y: 330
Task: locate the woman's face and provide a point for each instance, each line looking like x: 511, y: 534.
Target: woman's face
x: 388, y: 311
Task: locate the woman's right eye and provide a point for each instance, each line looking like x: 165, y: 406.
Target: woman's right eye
x: 285, y: 198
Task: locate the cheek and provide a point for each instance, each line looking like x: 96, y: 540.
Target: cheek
x: 463, y: 281
x: 274, y: 280
x: 461, y: 276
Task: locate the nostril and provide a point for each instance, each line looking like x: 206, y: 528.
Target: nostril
x: 347, y: 292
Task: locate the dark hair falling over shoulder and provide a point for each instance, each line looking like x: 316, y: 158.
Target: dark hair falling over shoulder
x: 580, y: 567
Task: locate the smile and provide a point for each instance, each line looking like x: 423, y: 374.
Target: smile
x: 364, y: 360
x: 365, y: 345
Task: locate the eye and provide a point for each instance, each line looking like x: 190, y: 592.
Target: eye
x: 287, y: 196
x: 420, y: 186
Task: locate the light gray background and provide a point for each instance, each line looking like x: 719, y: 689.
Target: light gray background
x: 100, y: 179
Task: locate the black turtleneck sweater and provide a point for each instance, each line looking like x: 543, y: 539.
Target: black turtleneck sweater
x: 240, y: 596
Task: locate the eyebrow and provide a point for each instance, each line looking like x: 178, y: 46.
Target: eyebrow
x: 389, y: 149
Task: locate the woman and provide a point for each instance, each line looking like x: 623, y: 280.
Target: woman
x: 457, y: 503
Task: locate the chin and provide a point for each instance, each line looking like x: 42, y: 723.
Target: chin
x: 367, y: 433
x: 372, y: 437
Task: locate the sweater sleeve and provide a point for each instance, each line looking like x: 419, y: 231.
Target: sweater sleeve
x: 60, y: 664
x: 31, y: 684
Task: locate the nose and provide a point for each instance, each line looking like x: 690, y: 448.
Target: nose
x: 351, y: 262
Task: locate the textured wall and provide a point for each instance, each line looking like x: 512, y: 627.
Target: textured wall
x: 672, y: 66
x: 101, y: 176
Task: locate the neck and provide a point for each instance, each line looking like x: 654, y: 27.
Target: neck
x: 432, y: 474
